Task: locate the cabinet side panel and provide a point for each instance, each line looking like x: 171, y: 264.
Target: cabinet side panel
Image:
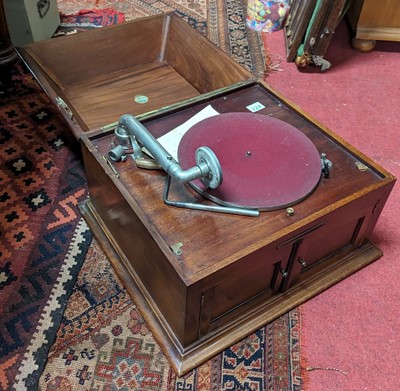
x: 386, y: 13
x: 150, y: 268
x: 199, y: 61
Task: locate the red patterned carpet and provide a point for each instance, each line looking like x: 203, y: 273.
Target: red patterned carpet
x: 43, y: 239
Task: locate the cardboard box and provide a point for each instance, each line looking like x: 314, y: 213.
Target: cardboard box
x: 30, y: 21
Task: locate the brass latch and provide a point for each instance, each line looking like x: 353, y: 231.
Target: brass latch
x: 177, y: 248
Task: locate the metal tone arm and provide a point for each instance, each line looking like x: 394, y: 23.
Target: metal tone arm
x: 207, y: 166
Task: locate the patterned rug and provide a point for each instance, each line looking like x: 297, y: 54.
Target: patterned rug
x: 43, y: 239
x: 88, y: 19
x: 104, y: 344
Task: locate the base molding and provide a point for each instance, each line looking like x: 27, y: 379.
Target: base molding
x: 378, y: 33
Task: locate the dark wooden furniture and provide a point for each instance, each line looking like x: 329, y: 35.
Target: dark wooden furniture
x: 373, y: 21
x: 309, y: 29
x: 7, y: 51
x: 232, y: 274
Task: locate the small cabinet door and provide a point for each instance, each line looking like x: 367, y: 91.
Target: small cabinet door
x: 247, y: 283
x: 341, y: 231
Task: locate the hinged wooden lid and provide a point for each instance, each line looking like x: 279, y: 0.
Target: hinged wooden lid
x: 135, y: 67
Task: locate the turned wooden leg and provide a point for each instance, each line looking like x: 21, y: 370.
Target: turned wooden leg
x: 7, y: 52
x: 363, y: 45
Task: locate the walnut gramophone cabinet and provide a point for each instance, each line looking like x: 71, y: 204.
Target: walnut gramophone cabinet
x: 201, y: 278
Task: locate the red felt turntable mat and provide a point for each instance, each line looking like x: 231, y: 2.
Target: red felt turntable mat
x: 266, y: 163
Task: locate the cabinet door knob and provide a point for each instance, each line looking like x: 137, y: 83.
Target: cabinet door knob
x: 302, y: 262
x: 284, y: 273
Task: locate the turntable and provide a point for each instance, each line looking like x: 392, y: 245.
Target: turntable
x: 220, y: 204
x: 267, y: 163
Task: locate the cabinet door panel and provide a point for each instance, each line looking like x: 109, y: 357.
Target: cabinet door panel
x: 257, y: 278
x: 329, y: 240
x: 342, y: 233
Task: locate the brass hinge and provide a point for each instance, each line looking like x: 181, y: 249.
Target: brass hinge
x: 62, y: 105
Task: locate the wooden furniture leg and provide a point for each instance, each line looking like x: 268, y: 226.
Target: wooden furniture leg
x: 363, y: 45
x: 7, y: 52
